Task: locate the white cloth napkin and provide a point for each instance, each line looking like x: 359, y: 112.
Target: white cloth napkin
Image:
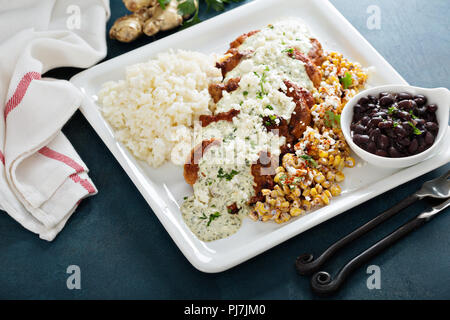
x: 42, y: 178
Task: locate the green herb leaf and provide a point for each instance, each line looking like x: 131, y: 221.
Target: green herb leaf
x: 332, y: 120
x: 289, y: 50
x: 163, y: 3
x: 412, y: 114
x: 217, y: 5
x: 346, y: 81
x: 310, y: 160
x: 187, y: 7
x: 269, y: 107
x: 416, y: 130
x: 228, y: 176
x: 245, y: 93
x: 391, y: 110
x: 203, y: 217
x: 212, y: 217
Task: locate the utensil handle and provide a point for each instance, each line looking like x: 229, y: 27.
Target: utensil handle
x: 306, y: 264
x: 323, y: 284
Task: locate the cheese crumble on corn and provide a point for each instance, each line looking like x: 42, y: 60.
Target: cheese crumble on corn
x: 310, y: 177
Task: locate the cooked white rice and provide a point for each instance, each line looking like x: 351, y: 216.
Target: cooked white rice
x: 154, y: 109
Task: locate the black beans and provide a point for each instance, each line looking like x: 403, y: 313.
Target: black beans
x: 429, y: 138
x: 385, y: 124
x: 386, y: 101
x: 403, y: 115
x: 381, y: 153
x: 394, y: 153
x: 420, y: 99
x: 363, y: 101
x: 365, y: 120
x: 383, y: 142
x: 359, y: 128
x: 394, y: 124
x: 372, y: 147
x: 361, y: 139
x: 432, y: 108
x: 400, y: 131
x: 413, y: 146
x: 405, y: 141
x: 431, y: 126
x: 404, y: 96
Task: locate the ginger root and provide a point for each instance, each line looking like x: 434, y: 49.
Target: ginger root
x: 147, y: 18
x: 137, y: 5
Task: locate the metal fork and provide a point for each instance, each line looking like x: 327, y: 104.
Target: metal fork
x: 438, y: 188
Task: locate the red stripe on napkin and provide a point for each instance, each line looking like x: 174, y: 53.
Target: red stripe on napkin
x: 21, y: 89
x: 84, y: 183
x: 46, y: 151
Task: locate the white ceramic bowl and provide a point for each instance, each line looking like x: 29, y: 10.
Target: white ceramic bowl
x: 439, y: 96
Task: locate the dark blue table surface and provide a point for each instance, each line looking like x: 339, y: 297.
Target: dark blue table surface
x: 125, y: 253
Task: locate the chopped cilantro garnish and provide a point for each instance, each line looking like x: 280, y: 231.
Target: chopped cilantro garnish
x: 346, y: 81
x: 185, y: 198
x: 412, y: 114
x: 245, y: 93
x: 212, y: 217
x: 392, y: 109
x: 310, y: 160
x: 332, y: 120
x: 289, y: 50
x: 221, y: 174
x: 269, y: 107
x: 416, y: 130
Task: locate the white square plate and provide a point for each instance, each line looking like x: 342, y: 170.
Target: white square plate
x: 164, y: 188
